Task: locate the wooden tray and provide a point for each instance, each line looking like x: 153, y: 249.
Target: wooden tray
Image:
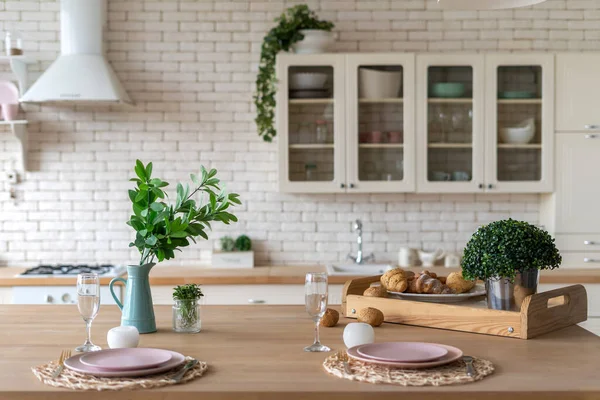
x: 540, y: 313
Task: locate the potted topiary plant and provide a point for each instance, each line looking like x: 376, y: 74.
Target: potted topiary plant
x: 186, y: 310
x: 162, y: 228
x: 297, y: 24
x: 233, y: 253
x: 508, y: 255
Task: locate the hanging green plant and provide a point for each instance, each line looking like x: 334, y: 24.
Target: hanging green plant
x: 281, y: 37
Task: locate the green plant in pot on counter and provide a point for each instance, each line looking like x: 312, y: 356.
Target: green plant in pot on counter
x: 162, y: 227
x: 280, y: 38
x: 186, y: 310
x: 508, y: 255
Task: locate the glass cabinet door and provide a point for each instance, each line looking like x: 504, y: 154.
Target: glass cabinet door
x: 519, y: 103
x: 309, y: 123
x: 450, y: 138
x: 380, y: 126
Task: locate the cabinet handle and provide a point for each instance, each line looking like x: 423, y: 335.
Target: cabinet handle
x: 590, y: 260
x: 49, y: 299
x: 591, y: 136
x: 590, y: 243
x: 66, y: 298
x: 252, y: 301
x: 481, y: 186
x: 352, y: 186
x: 592, y: 126
x: 342, y: 185
x: 490, y: 186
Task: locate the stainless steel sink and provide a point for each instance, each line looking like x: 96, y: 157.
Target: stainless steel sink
x: 358, y: 269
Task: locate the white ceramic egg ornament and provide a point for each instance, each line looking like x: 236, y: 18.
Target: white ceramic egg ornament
x: 358, y: 333
x: 123, y: 337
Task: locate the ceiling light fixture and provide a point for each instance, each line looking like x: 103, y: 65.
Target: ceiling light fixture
x: 485, y: 4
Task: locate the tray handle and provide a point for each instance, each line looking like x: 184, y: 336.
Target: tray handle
x: 356, y: 286
x: 548, y: 311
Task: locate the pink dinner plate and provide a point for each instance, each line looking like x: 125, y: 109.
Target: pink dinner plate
x: 126, y: 359
x: 74, y: 363
x: 402, y: 351
x: 452, y: 355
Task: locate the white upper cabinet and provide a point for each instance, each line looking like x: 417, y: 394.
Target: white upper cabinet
x: 578, y: 92
x: 450, y: 121
x: 577, y: 183
x: 311, y: 123
x: 380, y: 141
x: 519, y: 123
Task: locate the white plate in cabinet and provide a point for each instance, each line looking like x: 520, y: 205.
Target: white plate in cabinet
x: 577, y: 92
x: 247, y: 294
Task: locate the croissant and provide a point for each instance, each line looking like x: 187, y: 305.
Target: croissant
x: 395, y: 280
x: 428, y: 285
x: 460, y: 285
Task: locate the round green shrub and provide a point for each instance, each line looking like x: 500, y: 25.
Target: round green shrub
x: 227, y: 243
x: 501, y: 249
x: 243, y: 243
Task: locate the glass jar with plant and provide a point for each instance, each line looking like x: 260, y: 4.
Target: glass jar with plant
x: 186, y: 310
x: 161, y: 228
x: 508, y: 255
x: 293, y: 26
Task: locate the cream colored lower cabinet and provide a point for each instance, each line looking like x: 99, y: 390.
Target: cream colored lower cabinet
x: 593, y: 295
x: 5, y: 295
x: 248, y: 294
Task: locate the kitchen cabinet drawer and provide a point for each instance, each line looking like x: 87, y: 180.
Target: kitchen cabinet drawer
x: 593, y: 296
x: 248, y: 294
x: 5, y: 295
x: 577, y: 92
x: 57, y: 294
x: 582, y: 243
x: 580, y: 259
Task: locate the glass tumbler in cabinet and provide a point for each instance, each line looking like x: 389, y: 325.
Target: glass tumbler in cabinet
x: 380, y: 123
x: 308, y: 118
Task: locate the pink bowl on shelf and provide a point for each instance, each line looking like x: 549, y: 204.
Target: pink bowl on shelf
x: 395, y: 137
x: 364, y: 137
x: 9, y: 111
x: 376, y: 137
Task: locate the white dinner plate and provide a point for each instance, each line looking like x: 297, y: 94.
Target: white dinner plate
x: 477, y: 291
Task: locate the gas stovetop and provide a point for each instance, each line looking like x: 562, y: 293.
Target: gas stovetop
x: 69, y: 270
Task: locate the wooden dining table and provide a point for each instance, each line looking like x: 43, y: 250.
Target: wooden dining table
x: 256, y: 352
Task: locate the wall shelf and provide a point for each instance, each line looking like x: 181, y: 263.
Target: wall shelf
x: 519, y: 101
x: 377, y: 101
x: 444, y: 100
x: 381, y: 145
x: 450, y: 145
x: 311, y: 101
x: 533, y: 146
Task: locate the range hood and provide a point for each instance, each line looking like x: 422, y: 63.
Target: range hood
x: 81, y: 73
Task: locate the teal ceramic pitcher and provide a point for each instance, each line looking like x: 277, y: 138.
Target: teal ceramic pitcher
x: 137, y: 308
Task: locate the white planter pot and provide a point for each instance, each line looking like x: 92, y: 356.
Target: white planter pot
x: 378, y: 84
x: 315, y: 41
x: 232, y: 259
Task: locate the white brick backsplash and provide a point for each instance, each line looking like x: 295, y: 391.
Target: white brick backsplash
x: 190, y: 67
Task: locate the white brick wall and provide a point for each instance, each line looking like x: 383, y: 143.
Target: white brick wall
x: 190, y: 67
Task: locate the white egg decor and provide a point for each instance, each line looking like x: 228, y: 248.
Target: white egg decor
x: 357, y: 333
x: 123, y: 337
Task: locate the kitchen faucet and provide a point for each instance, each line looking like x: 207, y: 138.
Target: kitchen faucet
x: 359, y: 259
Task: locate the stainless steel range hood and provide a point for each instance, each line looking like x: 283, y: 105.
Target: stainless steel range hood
x: 81, y: 73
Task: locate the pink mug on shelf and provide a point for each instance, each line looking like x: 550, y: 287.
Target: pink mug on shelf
x: 395, y: 137
x: 9, y: 111
x: 376, y: 137
x: 364, y: 137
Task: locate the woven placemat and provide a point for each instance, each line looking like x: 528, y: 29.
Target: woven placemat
x: 450, y: 374
x: 74, y: 380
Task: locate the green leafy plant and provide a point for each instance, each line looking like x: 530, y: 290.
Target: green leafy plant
x: 162, y: 228
x: 279, y: 38
x: 227, y: 243
x: 243, y: 243
x: 501, y: 249
x: 187, y: 296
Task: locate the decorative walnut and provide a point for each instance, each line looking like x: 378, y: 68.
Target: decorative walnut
x: 330, y: 318
x: 376, y: 291
x: 371, y: 316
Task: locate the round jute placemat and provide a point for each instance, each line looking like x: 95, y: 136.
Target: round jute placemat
x: 74, y: 380
x: 450, y: 374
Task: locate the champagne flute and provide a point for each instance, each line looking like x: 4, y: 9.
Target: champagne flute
x: 315, y: 296
x: 88, y: 303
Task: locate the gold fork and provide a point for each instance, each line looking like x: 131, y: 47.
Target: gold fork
x: 61, y: 363
x: 343, y: 356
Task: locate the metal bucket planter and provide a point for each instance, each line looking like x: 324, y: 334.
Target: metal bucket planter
x: 502, y: 294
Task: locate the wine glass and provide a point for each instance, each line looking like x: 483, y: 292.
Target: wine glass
x: 315, y: 296
x: 88, y: 303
